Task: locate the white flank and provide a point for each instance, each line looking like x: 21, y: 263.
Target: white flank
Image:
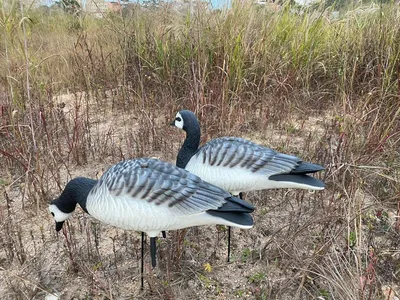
x: 237, y: 179
x: 130, y: 213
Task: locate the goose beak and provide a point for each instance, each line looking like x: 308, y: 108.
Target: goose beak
x: 59, y: 225
x: 172, y: 123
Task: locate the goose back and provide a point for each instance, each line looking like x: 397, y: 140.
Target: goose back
x: 238, y: 165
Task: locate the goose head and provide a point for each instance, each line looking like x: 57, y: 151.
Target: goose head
x: 76, y: 191
x: 186, y: 120
x: 58, y: 215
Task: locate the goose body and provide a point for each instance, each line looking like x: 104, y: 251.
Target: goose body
x: 150, y: 195
x: 239, y: 165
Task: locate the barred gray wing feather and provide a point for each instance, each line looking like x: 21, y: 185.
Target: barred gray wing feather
x: 164, y: 184
x: 232, y: 151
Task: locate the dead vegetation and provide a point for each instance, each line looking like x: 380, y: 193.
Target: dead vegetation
x: 85, y: 93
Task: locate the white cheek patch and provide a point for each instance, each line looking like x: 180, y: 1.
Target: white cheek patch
x: 59, y: 216
x: 179, y: 124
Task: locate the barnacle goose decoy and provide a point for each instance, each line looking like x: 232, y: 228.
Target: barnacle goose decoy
x: 238, y: 165
x: 151, y: 196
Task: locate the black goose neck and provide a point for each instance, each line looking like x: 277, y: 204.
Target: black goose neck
x: 75, y: 192
x: 191, y: 143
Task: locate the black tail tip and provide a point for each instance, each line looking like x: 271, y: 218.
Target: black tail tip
x: 240, y: 219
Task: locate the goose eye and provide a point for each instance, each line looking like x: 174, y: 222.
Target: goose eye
x: 52, y: 214
x: 178, y: 119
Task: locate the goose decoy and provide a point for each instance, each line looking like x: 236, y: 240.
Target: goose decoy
x: 151, y: 196
x: 238, y: 165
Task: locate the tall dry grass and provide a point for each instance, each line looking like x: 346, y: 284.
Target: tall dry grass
x: 248, y: 71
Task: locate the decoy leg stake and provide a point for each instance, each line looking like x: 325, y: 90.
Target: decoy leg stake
x: 142, y: 263
x: 153, y: 251
x: 229, y: 243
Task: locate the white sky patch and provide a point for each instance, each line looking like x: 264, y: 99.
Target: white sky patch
x: 304, y: 2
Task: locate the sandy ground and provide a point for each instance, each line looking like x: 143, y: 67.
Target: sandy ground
x: 278, y: 259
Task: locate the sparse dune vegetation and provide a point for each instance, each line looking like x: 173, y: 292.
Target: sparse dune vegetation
x: 79, y: 93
